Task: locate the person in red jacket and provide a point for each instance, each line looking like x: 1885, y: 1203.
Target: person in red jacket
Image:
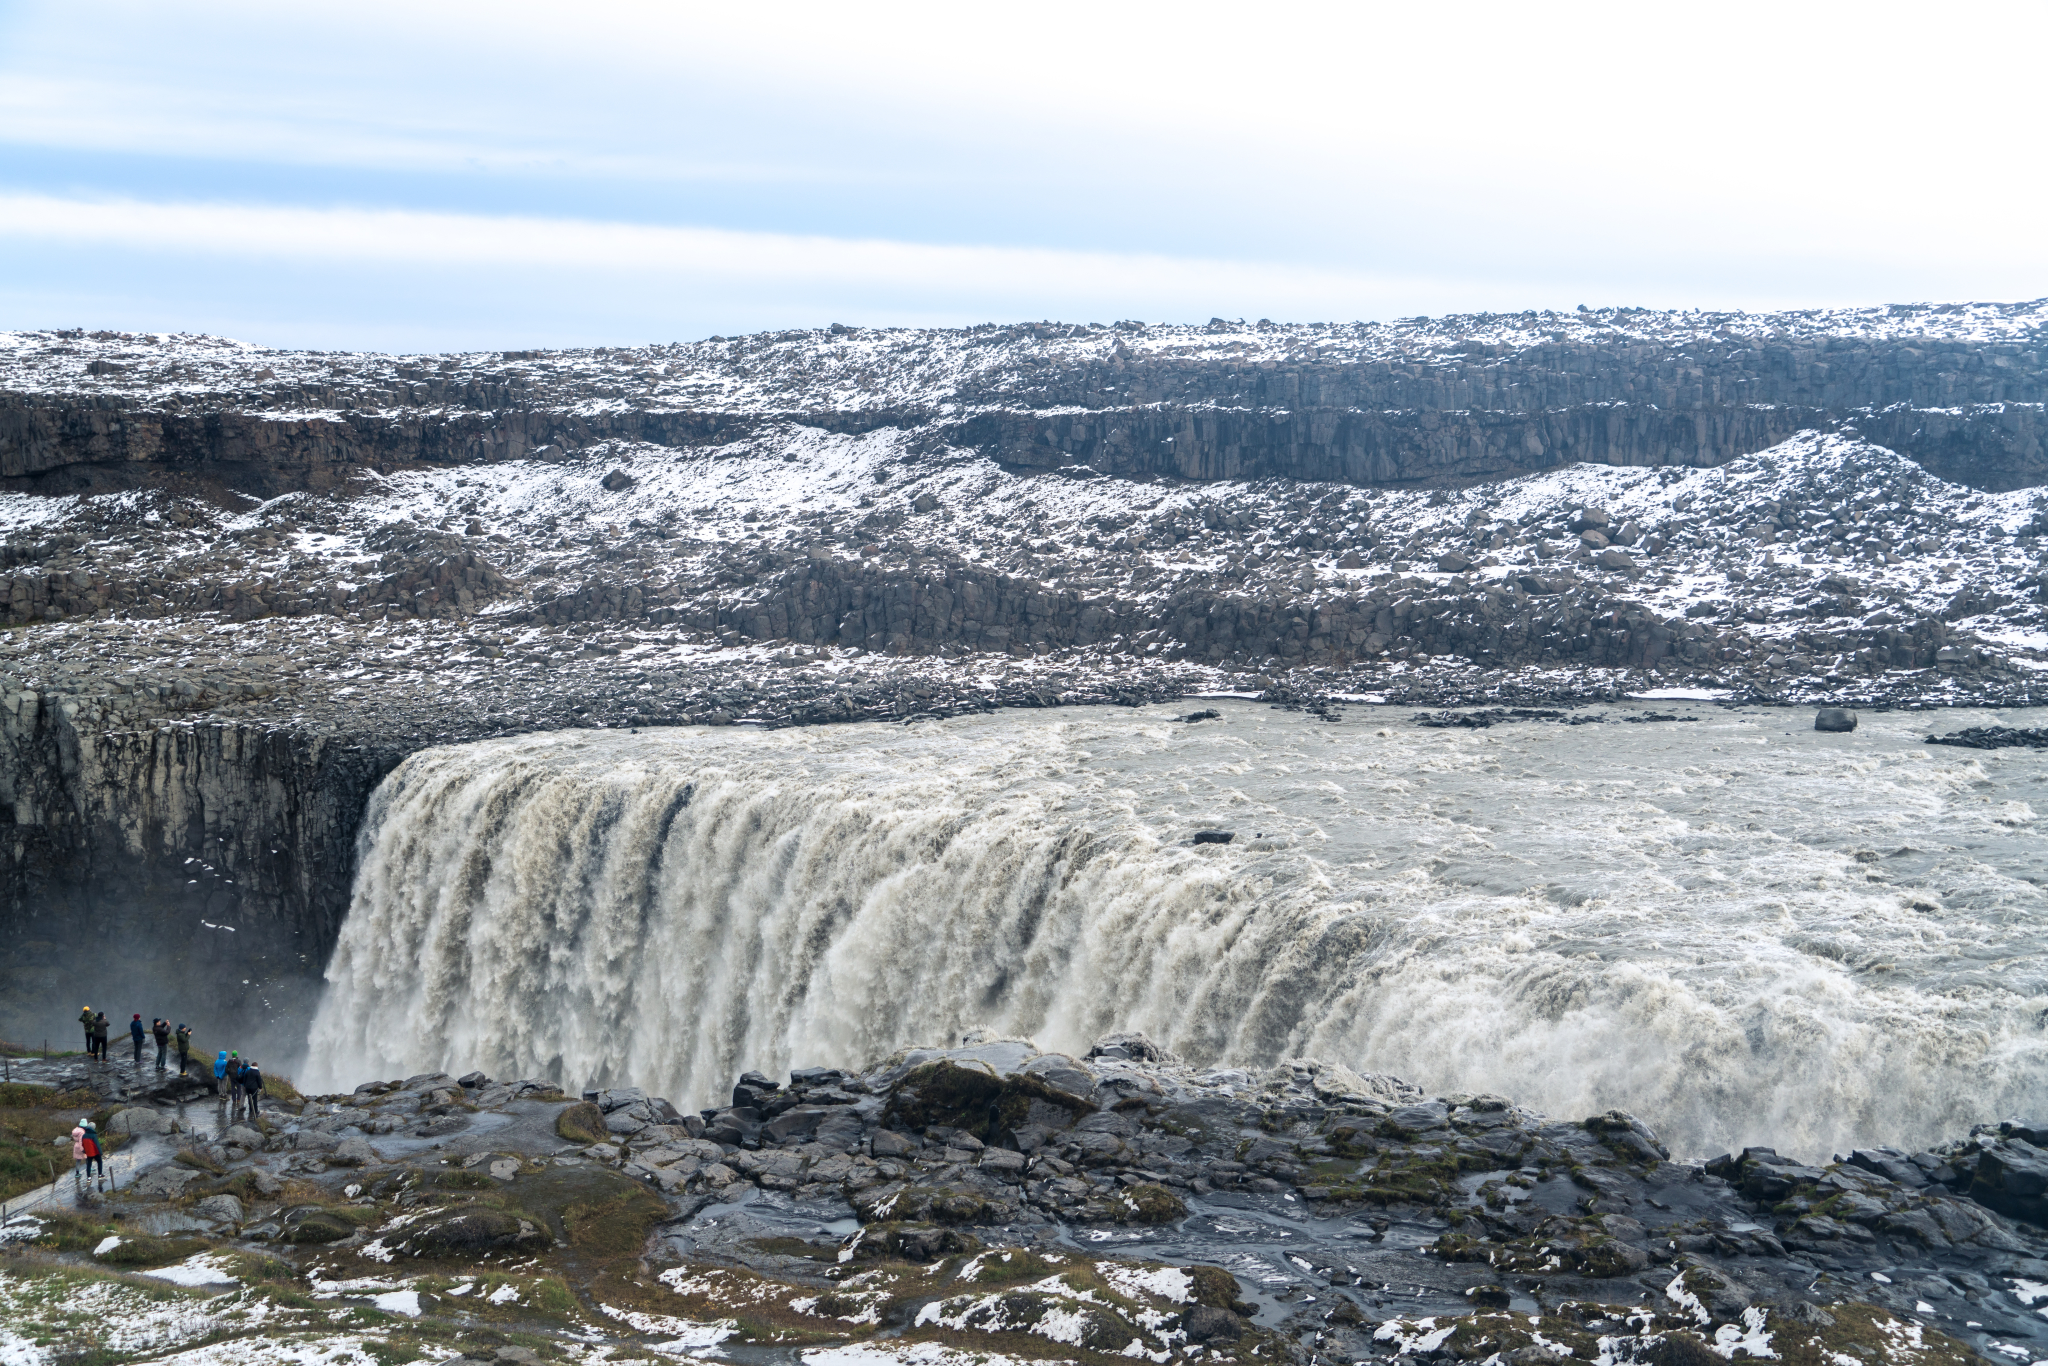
x: 85, y: 1147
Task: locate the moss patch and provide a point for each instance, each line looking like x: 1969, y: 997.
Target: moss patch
x: 312, y: 1224
x: 979, y: 1102
x: 582, y: 1123
x: 616, y: 1226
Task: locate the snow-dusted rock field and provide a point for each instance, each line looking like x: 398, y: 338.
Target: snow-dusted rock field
x: 902, y: 521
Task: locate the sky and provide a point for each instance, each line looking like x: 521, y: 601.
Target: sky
x: 436, y: 176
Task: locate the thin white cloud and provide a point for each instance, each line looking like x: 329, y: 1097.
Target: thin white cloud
x: 612, y: 251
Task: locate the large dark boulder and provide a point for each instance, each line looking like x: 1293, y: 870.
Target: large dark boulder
x: 2012, y: 1178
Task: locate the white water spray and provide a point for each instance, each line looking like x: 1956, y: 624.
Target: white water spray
x: 1575, y: 917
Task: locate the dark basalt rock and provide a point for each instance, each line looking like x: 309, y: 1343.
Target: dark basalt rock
x: 944, y: 1153
x: 1994, y: 737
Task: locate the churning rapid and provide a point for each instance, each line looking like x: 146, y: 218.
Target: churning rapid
x: 1736, y: 927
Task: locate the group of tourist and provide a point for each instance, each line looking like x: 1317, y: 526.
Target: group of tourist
x: 234, y: 1078
x: 97, y: 1031
x: 239, y: 1077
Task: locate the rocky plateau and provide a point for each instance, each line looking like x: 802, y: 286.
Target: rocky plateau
x: 990, y: 1202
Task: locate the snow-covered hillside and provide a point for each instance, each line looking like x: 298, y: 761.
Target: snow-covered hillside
x: 800, y: 575
x: 910, y: 522
x: 853, y: 369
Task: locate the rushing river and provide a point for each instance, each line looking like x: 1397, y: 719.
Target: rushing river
x: 1741, y: 929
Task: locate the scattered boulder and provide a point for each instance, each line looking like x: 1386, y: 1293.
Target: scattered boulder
x: 1836, y: 719
x: 140, y: 1119
x: 582, y: 1122
x: 315, y: 1224
x: 473, y: 1232
x: 352, y: 1152
x: 163, y: 1183
x: 2012, y: 1177
x: 1210, y: 1326
x: 1135, y: 1047
x: 225, y: 1209
x: 887, y: 1143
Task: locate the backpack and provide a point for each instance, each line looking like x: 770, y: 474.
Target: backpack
x: 90, y: 1144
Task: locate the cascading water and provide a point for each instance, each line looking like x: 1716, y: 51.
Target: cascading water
x: 1743, y: 931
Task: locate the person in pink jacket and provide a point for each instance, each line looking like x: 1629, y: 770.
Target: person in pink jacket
x: 85, y: 1149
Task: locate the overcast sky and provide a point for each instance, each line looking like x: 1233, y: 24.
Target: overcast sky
x: 426, y: 176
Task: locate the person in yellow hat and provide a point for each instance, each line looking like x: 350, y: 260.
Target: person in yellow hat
x: 85, y: 1018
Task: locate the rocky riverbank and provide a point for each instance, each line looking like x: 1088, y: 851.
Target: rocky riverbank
x: 989, y: 1201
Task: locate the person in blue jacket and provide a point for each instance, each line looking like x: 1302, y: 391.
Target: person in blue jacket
x: 220, y: 1071
x: 138, y: 1032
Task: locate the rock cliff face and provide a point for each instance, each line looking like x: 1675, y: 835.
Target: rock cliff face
x: 196, y: 870
x: 1960, y: 389
x: 243, y: 583
x: 1994, y: 448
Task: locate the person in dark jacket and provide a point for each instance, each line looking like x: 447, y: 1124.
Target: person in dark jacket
x: 100, y: 1031
x: 234, y: 1081
x: 85, y: 1018
x: 138, y: 1031
x: 252, y: 1086
x: 160, y: 1030
x: 184, y: 1048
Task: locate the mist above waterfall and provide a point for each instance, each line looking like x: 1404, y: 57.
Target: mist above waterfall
x: 1693, y: 921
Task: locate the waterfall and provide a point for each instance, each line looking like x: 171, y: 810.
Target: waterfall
x: 671, y: 908
x: 603, y: 913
